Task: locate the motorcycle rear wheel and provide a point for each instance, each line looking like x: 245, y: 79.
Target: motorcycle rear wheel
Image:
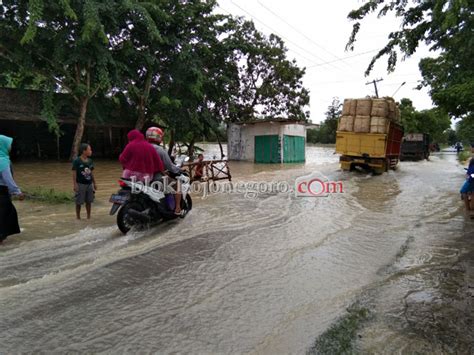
x: 124, y: 221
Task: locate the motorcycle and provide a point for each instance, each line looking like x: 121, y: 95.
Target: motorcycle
x: 141, y: 205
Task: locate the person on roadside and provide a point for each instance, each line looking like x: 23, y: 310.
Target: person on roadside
x: 154, y: 136
x: 199, y: 170
x: 83, y: 180
x: 467, y: 189
x: 139, y: 159
x: 8, y: 216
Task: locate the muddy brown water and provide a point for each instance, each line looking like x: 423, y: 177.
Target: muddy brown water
x: 262, y: 274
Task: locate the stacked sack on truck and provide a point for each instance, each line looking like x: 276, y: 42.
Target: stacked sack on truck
x: 368, y: 115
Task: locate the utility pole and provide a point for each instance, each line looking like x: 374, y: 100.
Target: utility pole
x: 375, y: 85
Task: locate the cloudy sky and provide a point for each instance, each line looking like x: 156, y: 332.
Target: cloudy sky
x: 316, y: 33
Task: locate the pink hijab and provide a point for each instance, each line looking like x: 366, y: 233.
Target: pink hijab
x: 140, y: 156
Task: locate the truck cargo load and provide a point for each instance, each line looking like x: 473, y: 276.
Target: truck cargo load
x: 372, y: 140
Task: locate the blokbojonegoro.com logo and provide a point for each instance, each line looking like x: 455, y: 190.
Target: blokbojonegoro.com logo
x: 317, y: 185
x: 312, y: 185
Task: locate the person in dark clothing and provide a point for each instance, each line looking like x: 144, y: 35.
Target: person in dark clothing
x: 8, y: 215
x: 83, y: 180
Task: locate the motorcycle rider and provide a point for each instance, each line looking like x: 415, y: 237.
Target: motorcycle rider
x: 154, y: 136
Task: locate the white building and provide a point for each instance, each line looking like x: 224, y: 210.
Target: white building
x: 267, y: 141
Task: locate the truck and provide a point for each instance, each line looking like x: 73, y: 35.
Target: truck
x: 415, y: 146
x: 369, y: 134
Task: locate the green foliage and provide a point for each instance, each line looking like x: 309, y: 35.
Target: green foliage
x: 269, y: 84
x: 445, y: 26
x: 340, y: 337
x: 327, y: 131
x: 49, y: 195
x: 464, y: 156
x: 50, y: 113
x: 465, y: 130
x: 435, y: 121
x: 174, y: 62
x: 451, y: 136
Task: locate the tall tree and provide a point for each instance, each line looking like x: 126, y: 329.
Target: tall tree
x: 68, y: 43
x: 138, y: 52
x: 270, y: 84
x: 434, y: 121
x: 445, y: 26
x: 465, y: 130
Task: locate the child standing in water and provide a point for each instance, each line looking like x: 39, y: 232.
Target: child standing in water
x: 83, y: 179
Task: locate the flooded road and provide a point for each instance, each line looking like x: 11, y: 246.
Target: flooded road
x: 270, y: 273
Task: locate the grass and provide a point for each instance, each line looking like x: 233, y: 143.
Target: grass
x: 340, y: 337
x: 464, y: 156
x: 48, y: 195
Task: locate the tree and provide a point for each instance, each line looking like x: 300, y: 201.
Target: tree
x: 68, y: 43
x: 194, y: 92
x: 326, y: 133
x: 269, y: 84
x: 138, y: 53
x: 445, y: 26
x: 465, y: 130
x: 451, y: 136
x: 435, y: 121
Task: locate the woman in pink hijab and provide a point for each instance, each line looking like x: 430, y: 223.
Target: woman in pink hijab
x: 139, y: 158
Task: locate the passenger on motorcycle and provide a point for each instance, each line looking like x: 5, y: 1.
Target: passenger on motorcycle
x: 154, y: 136
x: 139, y: 159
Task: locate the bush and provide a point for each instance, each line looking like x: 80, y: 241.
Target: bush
x: 48, y: 195
x: 464, y: 156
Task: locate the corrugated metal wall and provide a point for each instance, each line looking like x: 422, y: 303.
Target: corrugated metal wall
x: 267, y: 149
x: 293, y: 149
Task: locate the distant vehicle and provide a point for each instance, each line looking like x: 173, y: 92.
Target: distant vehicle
x: 415, y: 146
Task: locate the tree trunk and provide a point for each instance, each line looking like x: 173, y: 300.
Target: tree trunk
x: 141, y: 115
x: 143, y: 102
x: 58, y: 151
x: 80, y: 127
x: 172, y: 143
x: 220, y: 145
x: 191, y: 150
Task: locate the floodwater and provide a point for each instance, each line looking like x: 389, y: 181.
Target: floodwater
x: 245, y: 273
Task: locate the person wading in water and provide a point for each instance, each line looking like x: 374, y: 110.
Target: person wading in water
x: 8, y: 216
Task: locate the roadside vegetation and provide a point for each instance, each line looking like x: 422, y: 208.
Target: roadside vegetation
x: 48, y: 195
x: 177, y: 64
x: 340, y: 337
x: 464, y: 156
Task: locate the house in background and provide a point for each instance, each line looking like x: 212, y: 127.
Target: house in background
x: 267, y: 141
x: 20, y: 118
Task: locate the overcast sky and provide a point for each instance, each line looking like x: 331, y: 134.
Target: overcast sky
x: 316, y: 32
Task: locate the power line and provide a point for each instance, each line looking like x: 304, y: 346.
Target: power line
x: 344, y: 58
x: 300, y: 32
x: 296, y: 52
x: 279, y: 34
